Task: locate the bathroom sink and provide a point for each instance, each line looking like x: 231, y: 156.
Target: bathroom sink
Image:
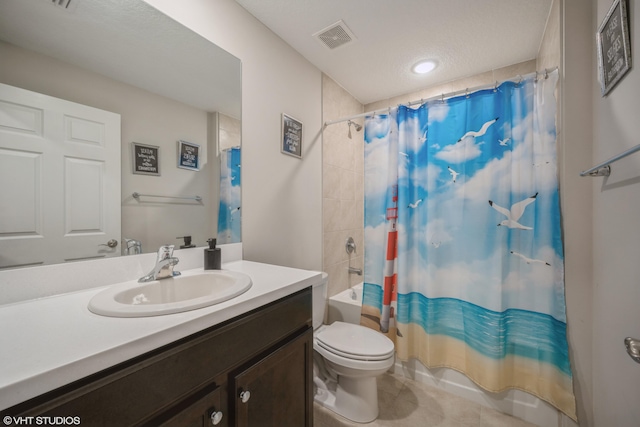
x: 189, y: 291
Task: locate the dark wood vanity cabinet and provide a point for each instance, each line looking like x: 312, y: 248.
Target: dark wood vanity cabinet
x: 203, y: 379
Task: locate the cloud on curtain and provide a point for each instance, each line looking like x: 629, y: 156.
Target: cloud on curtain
x: 479, y: 270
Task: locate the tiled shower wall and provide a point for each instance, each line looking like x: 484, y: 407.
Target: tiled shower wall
x: 342, y: 187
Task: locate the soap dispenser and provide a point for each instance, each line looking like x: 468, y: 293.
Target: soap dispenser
x: 187, y: 242
x: 212, y: 256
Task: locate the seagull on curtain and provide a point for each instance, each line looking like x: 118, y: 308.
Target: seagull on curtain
x: 514, y: 214
x: 529, y: 260
x: 482, y: 131
x: 453, y: 173
x: 415, y: 204
x: 423, y: 138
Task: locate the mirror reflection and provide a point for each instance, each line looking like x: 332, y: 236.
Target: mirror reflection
x: 119, y: 131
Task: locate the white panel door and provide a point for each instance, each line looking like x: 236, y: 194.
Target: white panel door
x: 60, y: 175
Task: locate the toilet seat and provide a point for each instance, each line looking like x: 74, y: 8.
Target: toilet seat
x: 355, y: 342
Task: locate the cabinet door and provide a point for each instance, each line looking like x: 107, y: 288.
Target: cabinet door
x: 279, y: 386
x: 205, y: 408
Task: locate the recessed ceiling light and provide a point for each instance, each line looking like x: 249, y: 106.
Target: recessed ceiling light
x: 423, y: 67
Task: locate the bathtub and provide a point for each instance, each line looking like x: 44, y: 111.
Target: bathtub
x: 346, y: 306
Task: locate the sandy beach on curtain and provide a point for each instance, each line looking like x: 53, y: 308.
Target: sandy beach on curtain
x: 543, y: 380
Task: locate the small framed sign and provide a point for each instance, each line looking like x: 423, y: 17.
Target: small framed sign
x: 188, y: 155
x: 614, y: 49
x: 291, y: 136
x: 146, y: 159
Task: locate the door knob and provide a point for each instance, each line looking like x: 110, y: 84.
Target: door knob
x: 633, y: 348
x: 245, y: 396
x: 111, y: 243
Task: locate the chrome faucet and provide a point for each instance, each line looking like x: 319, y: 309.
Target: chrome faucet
x: 132, y: 247
x: 164, y: 265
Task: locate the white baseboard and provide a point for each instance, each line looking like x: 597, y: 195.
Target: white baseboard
x: 512, y: 402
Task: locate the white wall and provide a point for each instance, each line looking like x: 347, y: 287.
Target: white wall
x: 574, y: 155
x: 281, y: 195
x: 602, y: 239
x: 616, y: 238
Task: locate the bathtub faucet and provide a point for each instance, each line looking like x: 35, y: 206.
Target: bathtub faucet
x: 353, y: 270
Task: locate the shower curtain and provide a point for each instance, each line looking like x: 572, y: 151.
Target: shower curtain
x: 463, y: 248
x: 230, y: 202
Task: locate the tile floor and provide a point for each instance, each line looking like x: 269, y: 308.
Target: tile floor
x: 407, y: 403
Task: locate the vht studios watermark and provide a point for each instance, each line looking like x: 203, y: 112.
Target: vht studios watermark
x: 41, y: 421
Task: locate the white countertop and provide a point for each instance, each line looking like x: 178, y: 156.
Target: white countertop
x: 49, y: 342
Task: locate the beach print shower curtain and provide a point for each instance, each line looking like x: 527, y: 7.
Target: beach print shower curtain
x: 463, y: 248
x: 230, y: 193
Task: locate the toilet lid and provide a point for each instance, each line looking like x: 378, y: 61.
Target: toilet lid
x: 355, y: 341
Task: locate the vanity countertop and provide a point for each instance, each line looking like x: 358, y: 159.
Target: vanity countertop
x: 49, y: 342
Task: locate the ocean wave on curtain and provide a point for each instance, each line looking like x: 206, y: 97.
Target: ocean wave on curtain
x: 230, y: 197
x: 464, y: 264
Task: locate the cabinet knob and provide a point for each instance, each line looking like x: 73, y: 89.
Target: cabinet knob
x: 245, y: 396
x: 216, y: 417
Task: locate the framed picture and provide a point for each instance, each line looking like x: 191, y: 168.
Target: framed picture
x: 145, y: 159
x: 614, y: 49
x: 188, y: 155
x: 291, y: 136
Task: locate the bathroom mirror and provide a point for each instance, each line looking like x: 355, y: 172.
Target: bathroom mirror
x: 174, y: 91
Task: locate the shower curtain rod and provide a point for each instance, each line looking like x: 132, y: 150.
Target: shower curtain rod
x: 442, y: 96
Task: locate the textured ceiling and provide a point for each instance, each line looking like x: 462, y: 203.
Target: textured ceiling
x: 131, y: 42
x: 465, y: 37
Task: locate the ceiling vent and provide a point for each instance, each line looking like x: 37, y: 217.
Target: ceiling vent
x: 335, y: 35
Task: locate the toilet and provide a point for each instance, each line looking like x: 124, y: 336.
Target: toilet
x: 347, y: 360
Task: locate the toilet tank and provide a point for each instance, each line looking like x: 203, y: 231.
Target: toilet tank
x: 319, y: 300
